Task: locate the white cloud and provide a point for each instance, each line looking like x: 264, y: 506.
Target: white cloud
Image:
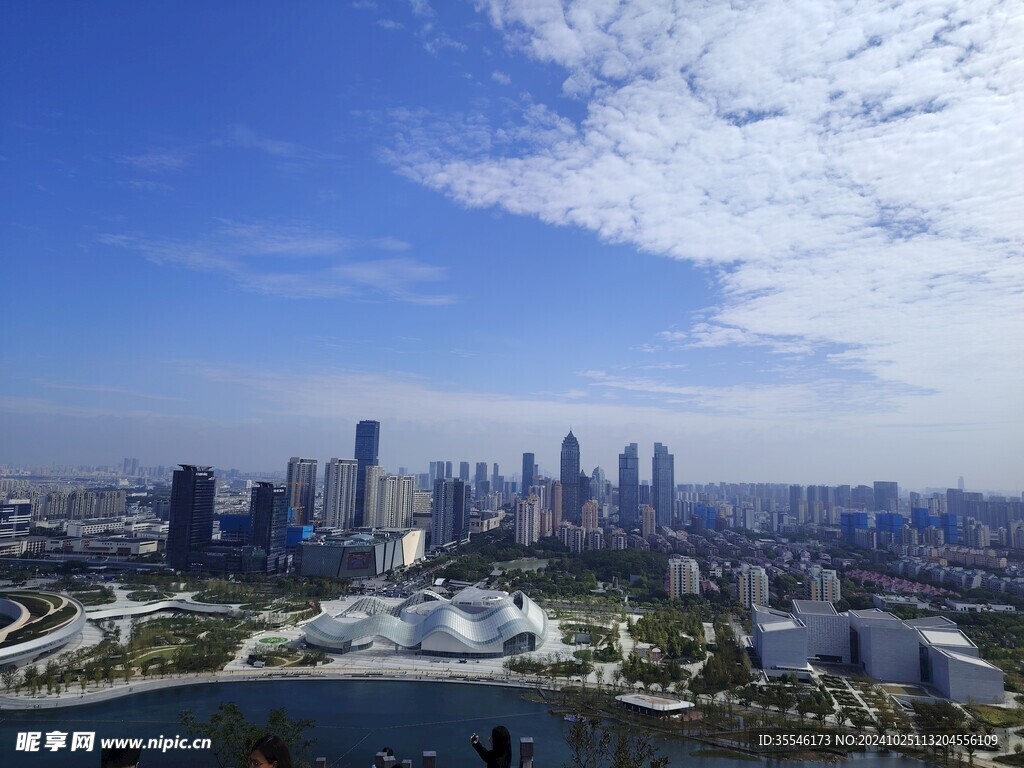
x: 500, y: 77
x: 156, y: 161
x: 388, y: 24
x: 319, y: 265
x: 851, y: 174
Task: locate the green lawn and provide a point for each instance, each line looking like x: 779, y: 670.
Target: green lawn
x: 997, y: 716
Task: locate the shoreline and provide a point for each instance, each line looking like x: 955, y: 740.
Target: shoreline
x: 68, y: 699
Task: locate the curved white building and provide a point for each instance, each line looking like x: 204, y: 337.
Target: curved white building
x: 476, y: 622
x: 19, y: 644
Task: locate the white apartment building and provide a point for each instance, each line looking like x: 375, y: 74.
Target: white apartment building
x: 683, y: 577
x: 753, y: 586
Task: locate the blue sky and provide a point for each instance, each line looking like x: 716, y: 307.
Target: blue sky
x: 786, y: 241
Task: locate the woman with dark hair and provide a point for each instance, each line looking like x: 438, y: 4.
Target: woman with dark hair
x: 500, y: 753
x: 269, y: 751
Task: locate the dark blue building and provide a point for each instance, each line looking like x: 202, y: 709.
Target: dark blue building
x: 367, y: 446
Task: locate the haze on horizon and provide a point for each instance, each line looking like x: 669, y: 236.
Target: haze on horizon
x: 785, y: 240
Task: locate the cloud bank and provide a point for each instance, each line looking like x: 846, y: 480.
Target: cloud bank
x: 850, y: 172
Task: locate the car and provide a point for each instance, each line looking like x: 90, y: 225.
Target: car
x: 463, y: 661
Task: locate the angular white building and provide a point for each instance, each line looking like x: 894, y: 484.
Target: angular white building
x: 780, y: 641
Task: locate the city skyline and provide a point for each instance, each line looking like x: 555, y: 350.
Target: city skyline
x: 805, y: 268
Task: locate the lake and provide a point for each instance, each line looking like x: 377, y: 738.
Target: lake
x: 354, y: 719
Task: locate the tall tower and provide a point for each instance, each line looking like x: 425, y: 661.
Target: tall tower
x: 302, y: 488
x: 464, y: 471
x: 367, y: 445
x: 268, y: 512
x: 570, y: 477
x: 887, y: 496
x: 527, y: 520
x: 449, y: 521
x: 191, y: 525
x: 556, y: 506
x: 529, y: 461
x: 663, y: 484
x: 369, y: 517
x: 629, y: 487
x: 480, y: 478
x: 340, y: 492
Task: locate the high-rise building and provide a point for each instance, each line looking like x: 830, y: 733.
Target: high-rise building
x: 449, y: 470
x: 753, y: 586
x: 663, y: 484
x: 15, y: 519
x: 683, y: 577
x: 556, y: 506
x: 463, y: 471
x: 449, y: 518
x: 887, y: 496
x: 301, y: 484
x: 823, y: 584
x: 649, y: 523
x: 527, y: 520
x: 629, y: 487
x: 393, y: 501
x: 496, y: 478
x: 340, y: 492
x: 193, y: 489
x: 570, y: 478
x: 401, y: 516
x: 597, y: 485
x: 268, y: 513
x: 797, y: 505
x: 588, y: 515
x: 368, y: 516
x: 366, y: 449
x: 529, y: 462
x: 480, y: 478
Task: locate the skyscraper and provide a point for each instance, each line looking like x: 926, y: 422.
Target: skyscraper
x: 527, y: 520
x: 663, y: 484
x: 340, y: 492
x: 449, y: 521
x: 268, y: 513
x: 588, y: 515
x: 301, y: 488
x: 887, y: 496
x: 629, y: 487
x: 463, y: 471
x: 570, y: 477
x: 495, y: 481
x: 797, y: 505
x: 556, y: 506
x: 368, y: 517
x: 191, y: 525
x: 448, y: 469
x: 480, y: 478
x: 529, y: 461
x: 367, y: 446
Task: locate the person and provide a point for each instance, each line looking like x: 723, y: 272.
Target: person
x: 500, y: 753
x: 269, y: 751
x: 120, y: 757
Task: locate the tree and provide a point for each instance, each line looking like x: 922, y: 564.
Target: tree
x: 594, y: 746
x: 232, y: 735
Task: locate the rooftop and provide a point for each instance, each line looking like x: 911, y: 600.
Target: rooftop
x: 816, y: 607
